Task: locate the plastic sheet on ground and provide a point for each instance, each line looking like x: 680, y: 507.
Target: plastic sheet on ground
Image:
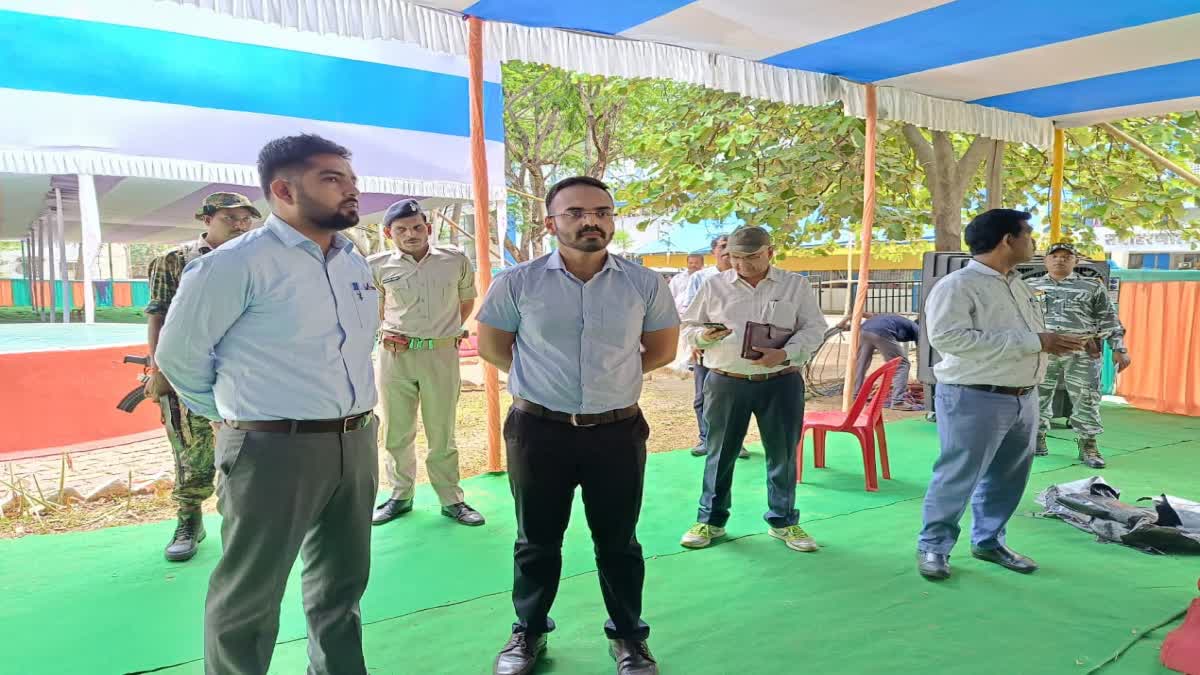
x: 1168, y: 525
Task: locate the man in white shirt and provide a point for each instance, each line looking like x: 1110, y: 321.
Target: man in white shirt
x: 699, y: 371
x: 680, y: 282
x: 770, y: 387
x: 989, y: 327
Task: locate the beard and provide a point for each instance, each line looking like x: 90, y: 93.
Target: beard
x: 323, y: 217
x: 577, y: 241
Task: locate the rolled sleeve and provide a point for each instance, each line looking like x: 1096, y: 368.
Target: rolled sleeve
x: 660, y: 309
x: 499, y: 309
x: 212, y: 295
x: 694, y: 319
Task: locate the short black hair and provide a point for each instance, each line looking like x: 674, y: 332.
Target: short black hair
x: 292, y: 151
x: 573, y: 180
x: 985, y: 232
x: 716, y: 240
x: 696, y: 255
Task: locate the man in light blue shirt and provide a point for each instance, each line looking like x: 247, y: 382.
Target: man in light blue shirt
x: 575, y: 330
x: 271, y: 337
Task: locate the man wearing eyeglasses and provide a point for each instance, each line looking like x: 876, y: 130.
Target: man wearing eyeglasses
x: 226, y: 215
x: 575, y: 330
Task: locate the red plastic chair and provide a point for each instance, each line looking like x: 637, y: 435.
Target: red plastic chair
x: 864, y: 420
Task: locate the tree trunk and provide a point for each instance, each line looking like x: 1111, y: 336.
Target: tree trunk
x: 995, y: 176
x: 947, y: 178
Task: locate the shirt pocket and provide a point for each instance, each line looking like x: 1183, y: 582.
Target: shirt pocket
x: 367, y: 304
x: 782, y: 313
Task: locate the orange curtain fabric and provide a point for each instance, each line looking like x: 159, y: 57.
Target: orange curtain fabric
x: 77, y: 294
x: 6, y: 293
x: 1162, y: 323
x: 122, y: 294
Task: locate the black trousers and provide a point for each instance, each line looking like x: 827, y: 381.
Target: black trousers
x: 546, y: 461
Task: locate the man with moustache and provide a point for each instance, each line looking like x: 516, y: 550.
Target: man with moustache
x: 679, y: 282
x: 575, y: 330
x: 225, y: 215
x: 427, y: 293
x: 989, y: 328
x: 273, y: 333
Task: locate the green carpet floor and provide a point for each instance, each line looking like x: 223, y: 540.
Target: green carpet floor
x: 105, y: 602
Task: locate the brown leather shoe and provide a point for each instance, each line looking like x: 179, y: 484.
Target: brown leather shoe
x: 520, y: 655
x: 633, y: 657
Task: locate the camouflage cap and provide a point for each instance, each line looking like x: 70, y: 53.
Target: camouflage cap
x: 748, y: 240
x: 1062, y: 246
x: 225, y: 200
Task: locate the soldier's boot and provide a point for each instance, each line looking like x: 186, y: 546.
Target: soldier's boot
x: 188, y: 535
x: 1041, y: 450
x: 1089, y: 454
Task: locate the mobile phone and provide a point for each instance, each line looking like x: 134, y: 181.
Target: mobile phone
x: 716, y: 326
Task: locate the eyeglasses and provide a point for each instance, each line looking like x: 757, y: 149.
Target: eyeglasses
x: 578, y: 214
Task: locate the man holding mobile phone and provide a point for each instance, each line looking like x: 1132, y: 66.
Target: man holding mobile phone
x: 1080, y: 306
x: 769, y: 387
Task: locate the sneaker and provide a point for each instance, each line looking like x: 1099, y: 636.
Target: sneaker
x: 795, y: 537
x: 1089, y: 454
x: 743, y: 453
x: 699, y: 450
x: 701, y: 535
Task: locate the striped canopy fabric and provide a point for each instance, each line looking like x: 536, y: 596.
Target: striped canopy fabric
x: 165, y: 103
x: 1008, y: 69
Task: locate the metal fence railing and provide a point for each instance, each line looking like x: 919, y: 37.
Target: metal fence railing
x: 884, y: 296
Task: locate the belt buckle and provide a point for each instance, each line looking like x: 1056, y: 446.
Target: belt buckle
x: 575, y: 422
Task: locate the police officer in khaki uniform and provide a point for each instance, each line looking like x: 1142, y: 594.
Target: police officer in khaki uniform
x: 225, y: 215
x: 428, y: 292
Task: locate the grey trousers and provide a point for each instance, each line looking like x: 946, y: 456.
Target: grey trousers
x: 778, y: 406
x: 283, y: 495
x: 987, y: 452
x: 870, y: 342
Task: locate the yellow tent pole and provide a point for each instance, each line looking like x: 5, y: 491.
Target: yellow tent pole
x: 1056, y: 185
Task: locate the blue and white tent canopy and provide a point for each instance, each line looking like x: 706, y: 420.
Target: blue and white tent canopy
x: 139, y: 93
x: 1008, y: 69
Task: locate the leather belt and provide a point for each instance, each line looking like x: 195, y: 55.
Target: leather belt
x: 1010, y: 391
x: 761, y: 377
x: 344, y: 425
x: 581, y: 420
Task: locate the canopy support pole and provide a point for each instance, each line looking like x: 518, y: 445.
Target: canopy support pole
x: 479, y: 174
x: 1056, y: 187
x: 1146, y: 150
x: 864, y: 260
x: 89, y: 222
x: 51, y: 259
x: 67, y: 294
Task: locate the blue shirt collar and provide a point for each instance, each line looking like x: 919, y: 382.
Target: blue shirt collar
x: 290, y: 236
x: 555, y: 262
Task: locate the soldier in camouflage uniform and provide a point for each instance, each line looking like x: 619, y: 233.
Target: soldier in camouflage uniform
x: 1077, y: 305
x: 225, y: 215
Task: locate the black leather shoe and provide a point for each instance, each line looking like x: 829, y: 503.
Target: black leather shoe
x: 391, y: 510
x: 633, y: 657
x: 186, y: 541
x: 934, y: 566
x: 699, y: 450
x: 1089, y: 454
x: 520, y: 655
x: 1006, y: 557
x: 463, y: 514
x: 744, y: 454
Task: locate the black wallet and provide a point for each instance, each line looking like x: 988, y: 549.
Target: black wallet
x: 763, y: 335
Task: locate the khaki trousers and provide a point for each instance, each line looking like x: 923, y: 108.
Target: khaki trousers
x: 430, y: 380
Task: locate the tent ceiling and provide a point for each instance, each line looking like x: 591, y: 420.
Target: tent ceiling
x: 1071, y: 61
x: 142, y: 210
